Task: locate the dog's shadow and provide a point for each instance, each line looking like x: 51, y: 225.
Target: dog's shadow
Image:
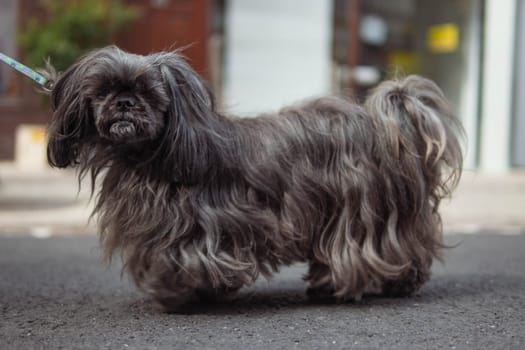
x: 275, y: 298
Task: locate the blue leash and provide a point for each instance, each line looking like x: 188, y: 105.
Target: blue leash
x: 25, y: 70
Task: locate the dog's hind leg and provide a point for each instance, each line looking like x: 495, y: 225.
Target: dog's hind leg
x: 338, y: 269
x: 347, y: 258
x: 407, y: 283
x: 321, y: 286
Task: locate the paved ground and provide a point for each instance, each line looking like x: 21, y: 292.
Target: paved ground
x: 42, y: 202
x: 485, y: 202
x: 55, y: 294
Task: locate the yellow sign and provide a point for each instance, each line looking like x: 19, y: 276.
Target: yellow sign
x: 402, y: 63
x: 443, y: 38
x: 30, y: 146
x: 38, y: 135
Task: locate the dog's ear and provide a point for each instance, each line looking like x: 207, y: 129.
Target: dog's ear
x: 70, y: 117
x: 190, y: 97
x: 191, y: 125
x: 195, y: 134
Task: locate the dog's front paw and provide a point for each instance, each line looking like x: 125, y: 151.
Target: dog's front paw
x: 175, y: 304
x: 217, y: 295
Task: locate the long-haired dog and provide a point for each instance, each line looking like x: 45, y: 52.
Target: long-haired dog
x: 200, y: 204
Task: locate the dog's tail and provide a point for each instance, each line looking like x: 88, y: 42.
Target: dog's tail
x: 419, y: 158
x: 419, y: 131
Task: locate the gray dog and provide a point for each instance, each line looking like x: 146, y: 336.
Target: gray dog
x: 200, y: 204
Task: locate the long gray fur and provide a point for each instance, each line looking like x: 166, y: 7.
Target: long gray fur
x: 199, y: 203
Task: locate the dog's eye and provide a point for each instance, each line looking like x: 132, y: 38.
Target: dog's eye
x: 141, y: 86
x: 101, y: 94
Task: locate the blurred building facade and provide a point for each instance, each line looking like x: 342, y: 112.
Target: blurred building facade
x: 259, y: 55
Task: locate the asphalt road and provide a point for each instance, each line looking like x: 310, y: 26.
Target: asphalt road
x: 56, y: 294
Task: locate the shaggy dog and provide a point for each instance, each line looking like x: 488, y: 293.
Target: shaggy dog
x: 199, y: 203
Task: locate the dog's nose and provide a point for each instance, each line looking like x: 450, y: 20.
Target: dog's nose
x: 125, y: 103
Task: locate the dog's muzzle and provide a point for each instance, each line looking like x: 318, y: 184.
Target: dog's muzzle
x: 122, y: 130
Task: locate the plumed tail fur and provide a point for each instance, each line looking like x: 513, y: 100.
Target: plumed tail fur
x: 420, y: 132
x: 419, y: 155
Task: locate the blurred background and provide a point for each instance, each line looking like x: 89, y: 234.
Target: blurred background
x: 258, y: 56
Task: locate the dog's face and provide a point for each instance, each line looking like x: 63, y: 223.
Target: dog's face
x: 113, y: 97
x: 128, y: 99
